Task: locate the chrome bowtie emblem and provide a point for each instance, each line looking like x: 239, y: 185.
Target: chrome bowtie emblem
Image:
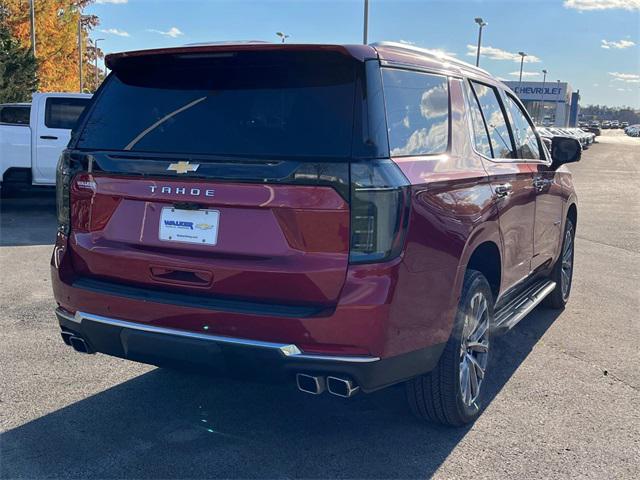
x: 183, y: 167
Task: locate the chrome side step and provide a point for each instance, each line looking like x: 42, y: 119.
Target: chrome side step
x: 510, y: 314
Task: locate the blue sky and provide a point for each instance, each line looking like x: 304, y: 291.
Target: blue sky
x: 592, y: 44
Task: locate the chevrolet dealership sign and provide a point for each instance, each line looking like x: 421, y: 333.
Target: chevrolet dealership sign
x: 537, y: 90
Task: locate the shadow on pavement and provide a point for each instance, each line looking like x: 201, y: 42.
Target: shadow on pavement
x: 28, y: 218
x: 165, y: 424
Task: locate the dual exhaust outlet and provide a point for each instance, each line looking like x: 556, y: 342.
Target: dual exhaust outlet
x: 316, y: 384
x: 313, y: 384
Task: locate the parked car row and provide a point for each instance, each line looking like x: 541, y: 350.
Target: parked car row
x: 585, y: 138
x: 633, y: 130
x: 604, y: 124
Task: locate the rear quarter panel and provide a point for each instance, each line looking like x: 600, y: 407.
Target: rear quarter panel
x: 452, y: 213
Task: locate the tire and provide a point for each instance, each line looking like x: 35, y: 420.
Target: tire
x: 562, y: 272
x: 439, y: 396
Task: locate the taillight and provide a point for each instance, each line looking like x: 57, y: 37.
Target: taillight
x: 66, y: 169
x: 380, y: 203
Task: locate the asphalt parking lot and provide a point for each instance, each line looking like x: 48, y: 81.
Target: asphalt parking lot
x: 565, y: 399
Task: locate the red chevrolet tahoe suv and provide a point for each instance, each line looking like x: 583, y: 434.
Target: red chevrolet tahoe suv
x: 347, y: 217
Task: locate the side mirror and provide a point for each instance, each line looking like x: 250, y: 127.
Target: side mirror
x: 565, y: 150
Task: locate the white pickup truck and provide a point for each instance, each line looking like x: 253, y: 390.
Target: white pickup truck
x: 32, y: 136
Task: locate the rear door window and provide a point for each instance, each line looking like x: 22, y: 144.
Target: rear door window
x: 15, y: 115
x: 523, y: 133
x: 417, y: 106
x: 248, y: 104
x: 63, y: 112
x: 494, y: 119
x: 480, y: 133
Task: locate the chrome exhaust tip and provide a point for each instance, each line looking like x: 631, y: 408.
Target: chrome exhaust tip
x: 342, y: 387
x: 66, y: 337
x: 310, y: 383
x: 79, y: 345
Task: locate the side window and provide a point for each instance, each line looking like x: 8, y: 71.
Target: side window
x: 417, y: 106
x: 15, y: 115
x: 63, y: 112
x: 480, y: 133
x: 494, y: 119
x: 524, y: 136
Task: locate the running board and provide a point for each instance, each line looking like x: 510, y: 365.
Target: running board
x: 510, y: 314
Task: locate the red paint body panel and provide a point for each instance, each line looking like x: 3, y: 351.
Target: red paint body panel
x: 290, y: 243
x: 275, y: 243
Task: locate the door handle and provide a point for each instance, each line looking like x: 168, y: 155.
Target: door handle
x: 541, y: 183
x: 48, y: 137
x: 503, y: 190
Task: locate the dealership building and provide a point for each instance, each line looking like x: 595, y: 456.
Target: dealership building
x: 549, y: 103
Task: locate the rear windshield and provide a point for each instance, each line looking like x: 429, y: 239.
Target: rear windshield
x: 246, y: 104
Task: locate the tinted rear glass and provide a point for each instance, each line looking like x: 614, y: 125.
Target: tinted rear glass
x: 15, y: 115
x: 417, y: 112
x: 64, y: 112
x: 246, y: 104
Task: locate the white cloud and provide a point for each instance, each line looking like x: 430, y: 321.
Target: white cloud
x: 596, y: 84
x: 434, y: 102
x: 525, y: 74
x: 173, y: 32
x: 112, y: 1
x: 115, y: 31
x: 407, y: 42
x: 620, y: 44
x: 625, y: 77
x: 584, y: 5
x: 499, y: 54
x: 624, y: 90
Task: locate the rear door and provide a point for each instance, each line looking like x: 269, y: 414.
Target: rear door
x: 222, y: 177
x: 54, y: 119
x: 511, y: 180
x: 548, y: 216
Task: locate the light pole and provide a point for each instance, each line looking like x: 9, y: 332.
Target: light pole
x: 32, y: 9
x: 522, y: 55
x: 283, y: 36
x: 557, y: 105
x: 365, y: 28
x: 544, y: 81
x: 481, y: 23
x: 95, y: 46
x: 80, y: 18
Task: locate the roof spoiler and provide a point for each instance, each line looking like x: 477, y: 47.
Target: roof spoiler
x: 358, y: 52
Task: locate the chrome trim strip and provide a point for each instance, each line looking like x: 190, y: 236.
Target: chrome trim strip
x: 520, y: 307
x: 290, y: 351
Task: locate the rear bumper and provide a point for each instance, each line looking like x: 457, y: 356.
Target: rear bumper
x: 235, y: 356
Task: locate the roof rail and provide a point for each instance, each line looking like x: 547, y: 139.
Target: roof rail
x: 432, y: 54
x: 227, y: 42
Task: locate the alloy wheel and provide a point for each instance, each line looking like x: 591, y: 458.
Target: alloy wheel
x: 566, y: 270
x: 474, y: 348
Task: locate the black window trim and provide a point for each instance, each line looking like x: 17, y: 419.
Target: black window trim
x: 496, y: 90
x: 410, y: 68
x: 468, y: 88
x: 542, y: 150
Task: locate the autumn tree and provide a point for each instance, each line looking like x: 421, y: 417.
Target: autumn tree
x: 57, y: 23
x: 18, y: 67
